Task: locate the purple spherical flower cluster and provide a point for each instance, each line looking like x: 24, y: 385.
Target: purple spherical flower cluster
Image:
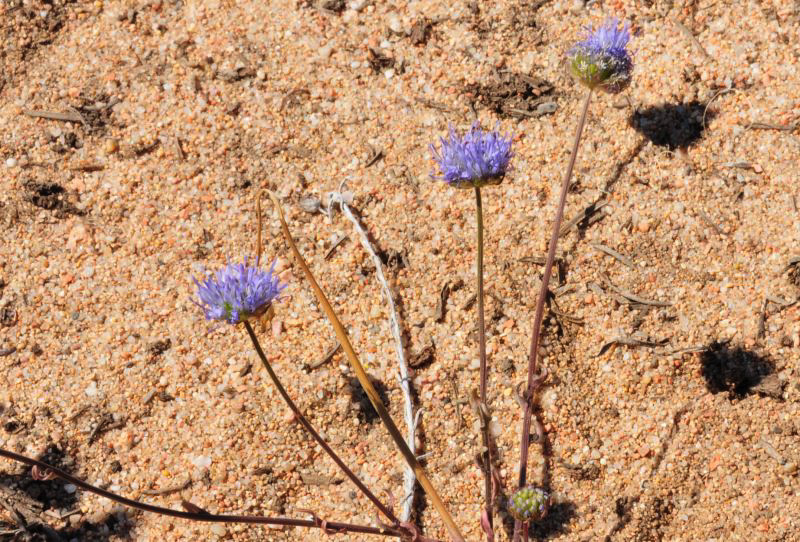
x: 474, y: 160
x: 238, y: 292
x: 602, y: 59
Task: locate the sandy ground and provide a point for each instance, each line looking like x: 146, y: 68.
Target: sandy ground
x: 672, y: 419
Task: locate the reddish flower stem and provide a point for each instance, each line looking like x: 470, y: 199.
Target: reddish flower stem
x: 327, y: 526
x: 487, y: 453
x: 307, y: 425
x: 539, y: 315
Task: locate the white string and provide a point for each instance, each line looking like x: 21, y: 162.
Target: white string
x: 409, y: 479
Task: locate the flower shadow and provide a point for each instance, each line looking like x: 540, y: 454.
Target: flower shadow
x: 559, y: 516
x: 733, y: 369
x: 554, y: 524
x: 674, y: 126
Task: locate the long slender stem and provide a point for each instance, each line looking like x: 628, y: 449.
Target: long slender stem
x: 452, y: 529
x: 487, y: 453
x: 303, y: 420
x: 203, y: 516
x: 539, y: 315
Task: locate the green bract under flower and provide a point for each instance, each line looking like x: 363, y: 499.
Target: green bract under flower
x: 602, y: 59
x: 529, y: 504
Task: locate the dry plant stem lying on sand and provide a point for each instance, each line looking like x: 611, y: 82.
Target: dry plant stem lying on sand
x: 369, y: 389
x: 44, y: 471
x: 409, y: 480
x: 539, y: 315
x: 304, y: 421
x: 484, y: 406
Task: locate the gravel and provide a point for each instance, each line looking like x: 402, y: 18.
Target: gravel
x: 218, y: 100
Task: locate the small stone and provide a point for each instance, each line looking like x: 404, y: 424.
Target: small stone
x: 277, y: 327
x: 219, y: 530
x: 395, y: 25
x: 201, y: 462
x: 76, y: 235
x: 111, y: 146
x: 124, y: 441
x: 70, y: 488
x: 577, y: 6
x: 281, y: 264
x: 91, y: 389
x: 310, y: 205
x: 11, y: 162
x: 718, y: 26
x: 325, y: 51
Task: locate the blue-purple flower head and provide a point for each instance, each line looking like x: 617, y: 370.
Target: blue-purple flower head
x: 529, y: 504
x: 474, y: 160
x: 602, y: 59
x: 238, y: 292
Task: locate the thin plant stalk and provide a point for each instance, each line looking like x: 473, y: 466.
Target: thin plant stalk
x: 539, y: 315
x: 452, y: 529
x: 409, y: 480
x: 487, y: 452
x: 49, y: 472
x: 304, y: 421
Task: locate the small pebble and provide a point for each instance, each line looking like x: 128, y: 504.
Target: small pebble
x: 577, y: 6
x: 395, y: 24
x: 91, y: 389
x: 310, y: 205
x: 325, y: 51
x: 277, y: 327
x: 111, y: 146
x: 201, y: 461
